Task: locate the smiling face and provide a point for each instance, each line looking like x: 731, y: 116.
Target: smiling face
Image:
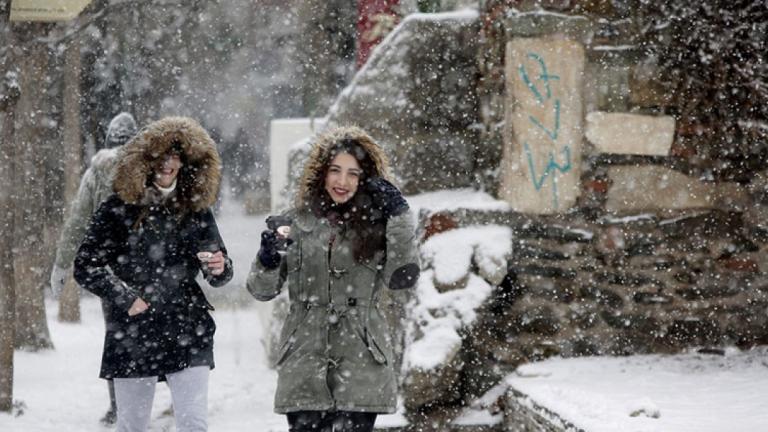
x: 168, y: 171
x: 343, y: 177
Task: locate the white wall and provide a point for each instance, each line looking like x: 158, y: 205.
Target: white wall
x: 283, y: 134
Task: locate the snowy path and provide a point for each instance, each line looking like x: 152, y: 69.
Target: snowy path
x: 653, y: 393
x: 62, y: 392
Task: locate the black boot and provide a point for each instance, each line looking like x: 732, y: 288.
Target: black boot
x: 110, y: 417
x: 309, y: 421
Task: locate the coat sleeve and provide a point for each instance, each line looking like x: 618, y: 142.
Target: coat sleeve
x: 401, y: 268
x: 265, y: 284
x: 211, y: 241
x: 99, y: 250
x: 80, y: 213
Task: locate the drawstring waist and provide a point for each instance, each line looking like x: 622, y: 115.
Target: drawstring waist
x: 351, y: 302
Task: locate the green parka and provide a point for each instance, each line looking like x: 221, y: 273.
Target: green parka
x: 335, y: 351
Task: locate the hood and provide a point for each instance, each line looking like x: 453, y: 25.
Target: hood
x: 120, y: 130
x: 199, y: 178
x: 103, y: 163
x: 320, y: 153
x: 105, y: 158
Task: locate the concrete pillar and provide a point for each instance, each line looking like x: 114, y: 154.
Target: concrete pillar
x: 543, y: 128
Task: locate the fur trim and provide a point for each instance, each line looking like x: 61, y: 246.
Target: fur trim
x: 320, y: 152
x: 143, y: 153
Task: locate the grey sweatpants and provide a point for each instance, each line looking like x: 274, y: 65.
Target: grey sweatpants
x: 189, y: 392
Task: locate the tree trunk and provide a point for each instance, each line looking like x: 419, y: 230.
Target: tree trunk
x: 8, y: 98
x: 7, y: 285
x: 29, y: 254
x: 69, y: 303
x: 326, y: 50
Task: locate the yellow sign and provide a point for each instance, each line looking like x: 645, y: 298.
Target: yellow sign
x: 46, y: 10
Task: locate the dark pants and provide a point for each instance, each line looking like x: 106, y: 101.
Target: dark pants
x: 327, y: 421
x: 110, y: 417
x: 112, y: 400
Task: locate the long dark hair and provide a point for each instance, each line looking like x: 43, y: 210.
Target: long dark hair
x: 356, y: 215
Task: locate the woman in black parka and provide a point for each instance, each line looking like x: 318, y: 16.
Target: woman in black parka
x: 142, y: 251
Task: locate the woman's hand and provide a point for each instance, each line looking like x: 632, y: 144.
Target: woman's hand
x: 216, y: 263
x: 386, y: 197
x: 138, y: 307
x: 269, y: 254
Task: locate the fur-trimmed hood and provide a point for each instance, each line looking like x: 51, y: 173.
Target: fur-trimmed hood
x: 320, y: 155
x: 199, y: 178
x: 120, y: 130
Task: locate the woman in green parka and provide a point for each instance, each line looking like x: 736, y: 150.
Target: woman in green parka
x: 351, y: 235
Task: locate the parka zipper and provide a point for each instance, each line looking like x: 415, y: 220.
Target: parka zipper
x: 331, y: 239
x: 330, y: 310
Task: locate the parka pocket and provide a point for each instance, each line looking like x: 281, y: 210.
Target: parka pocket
x: 374, y: 347
x: 285, y: 349
x: 142, y: 318
x: 287, y: 338
x: 204, y: 327
x: 376, y: 350
x: 293, y: 257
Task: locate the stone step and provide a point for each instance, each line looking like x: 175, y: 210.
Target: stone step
x: 453, y: 428
x: 521, y: 414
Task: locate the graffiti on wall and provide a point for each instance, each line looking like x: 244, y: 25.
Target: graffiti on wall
x: 558, y: 161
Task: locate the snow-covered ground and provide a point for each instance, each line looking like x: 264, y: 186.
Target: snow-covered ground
x: 61, y: 391
x: 653, y: 393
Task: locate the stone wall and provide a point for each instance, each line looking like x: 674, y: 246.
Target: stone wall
x: 652, y: 256
x: 643, y: 283
x: 649, y: 255
x: 529, y: 416
x: 651, y: 282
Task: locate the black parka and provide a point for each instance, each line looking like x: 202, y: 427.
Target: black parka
x: 141, y: 245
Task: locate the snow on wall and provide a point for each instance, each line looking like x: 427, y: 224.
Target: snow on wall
x: 454, y: 199
x: 450, y: 253
x: 437, y: 317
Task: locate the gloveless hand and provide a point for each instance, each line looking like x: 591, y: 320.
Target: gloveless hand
x: 216, y: 263
x: 138, y: 307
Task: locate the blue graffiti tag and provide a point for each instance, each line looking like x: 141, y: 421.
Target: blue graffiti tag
x: 551, y: 133
x: 552, y: 167
x: 544, y: 76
